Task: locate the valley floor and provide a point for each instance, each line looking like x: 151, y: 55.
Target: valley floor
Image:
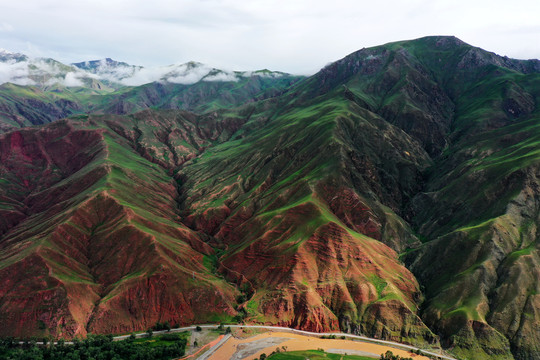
x: 251, y: 348
x: 250, y: 341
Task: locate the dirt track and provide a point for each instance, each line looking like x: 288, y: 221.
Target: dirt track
x: 251, y: 348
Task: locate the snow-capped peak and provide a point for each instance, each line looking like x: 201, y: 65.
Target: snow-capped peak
x: 22, y: 70
x: 6, y: 55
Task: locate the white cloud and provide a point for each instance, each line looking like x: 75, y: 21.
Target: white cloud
x: 46, y: 72
x: 16, y: 73
x: 40, y: 72
x: 188, y: 73
x: 71, y: 79
x: 5, y: 27
x: 221, y: 76
x: 294, y: 36
x: 143, y: 76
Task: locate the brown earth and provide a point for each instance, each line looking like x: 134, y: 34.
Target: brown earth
x: 264, y: 343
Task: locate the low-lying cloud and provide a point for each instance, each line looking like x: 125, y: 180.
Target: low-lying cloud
x: 186, y: 74
x: 16, y: 73
x: 21, y: 70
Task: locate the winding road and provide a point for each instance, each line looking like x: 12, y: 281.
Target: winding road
x: 284, y: 329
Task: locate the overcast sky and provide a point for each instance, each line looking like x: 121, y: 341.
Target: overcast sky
x: 298, y: 36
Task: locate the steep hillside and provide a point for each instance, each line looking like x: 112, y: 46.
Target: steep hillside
x: 91, y: 239
x: 296, y: 190
x: 116, y: 202
x: 464, y: 178
x: 22, y: 106
x: 202, y: 96
x: 39, y: 91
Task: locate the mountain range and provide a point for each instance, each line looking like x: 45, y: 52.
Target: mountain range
x: 108, y: 74
x: 395, y: 193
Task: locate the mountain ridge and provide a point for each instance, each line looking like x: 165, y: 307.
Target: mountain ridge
x: 391, y: 194
x: 44, y: 72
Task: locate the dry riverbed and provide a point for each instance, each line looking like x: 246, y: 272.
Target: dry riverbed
x: 252, y: 347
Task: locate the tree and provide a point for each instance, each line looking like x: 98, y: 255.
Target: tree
x: 149, y: 333
x: 390, y: 356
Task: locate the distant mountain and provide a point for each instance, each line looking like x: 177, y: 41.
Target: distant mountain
x: 186, y: 74
x: 103, y: 66
x: 395, y: 193
x: 38, y: 91
x: 8, y: 56
x: 45, y: 73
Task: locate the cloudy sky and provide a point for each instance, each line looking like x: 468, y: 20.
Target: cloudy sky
x: 298, y: 36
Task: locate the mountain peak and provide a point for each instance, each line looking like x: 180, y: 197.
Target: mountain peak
x: 95, y: 65
x: 450, y: 39
x: 193, y: 64
x: 6, y: 55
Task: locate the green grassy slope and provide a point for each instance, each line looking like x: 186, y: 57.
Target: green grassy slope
x: 100, y: 247
x: 479, y: 206
x: 201, y: 97
x: 22, y: 106
x: 468, y: 113
x: 293, y: 188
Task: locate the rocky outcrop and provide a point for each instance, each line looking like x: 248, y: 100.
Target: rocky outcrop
x: 85, y: 256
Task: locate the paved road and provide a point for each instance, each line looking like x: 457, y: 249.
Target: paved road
x: 309, y: 333
x: 214, y: 348
x: 280, y: 328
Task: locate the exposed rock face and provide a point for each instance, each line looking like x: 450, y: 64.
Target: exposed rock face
x: 328, y: 280
x: 85, y: 251
x: 480, y: 206
x: 460, y: 105
x: 295, y: 210
x: 115, y: 270
x: 490, y: 295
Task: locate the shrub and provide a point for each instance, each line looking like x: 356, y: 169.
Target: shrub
x: 170, y: 337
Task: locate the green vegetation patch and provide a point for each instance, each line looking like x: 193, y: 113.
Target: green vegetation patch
x: 101, y: 347
x: 163, y: 340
